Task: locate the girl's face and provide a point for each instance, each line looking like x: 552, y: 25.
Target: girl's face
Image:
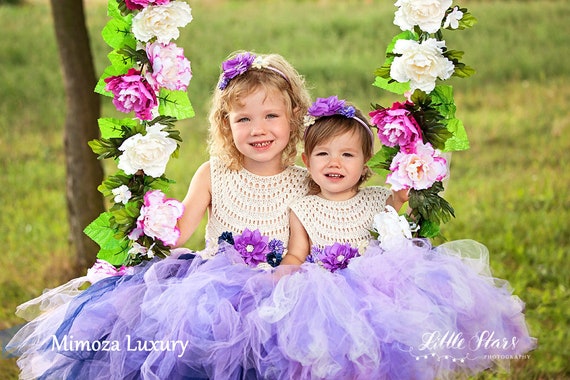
x: 261, y: 129
x: 336, y: 165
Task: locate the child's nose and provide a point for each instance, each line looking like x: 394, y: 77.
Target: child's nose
x: 334, y: 162
x: 257, y: 128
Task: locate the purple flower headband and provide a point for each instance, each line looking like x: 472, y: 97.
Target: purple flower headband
x: 240, y: 64
x: 331, y: 106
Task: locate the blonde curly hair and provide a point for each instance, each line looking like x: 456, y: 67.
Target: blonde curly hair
x: 290, y: 84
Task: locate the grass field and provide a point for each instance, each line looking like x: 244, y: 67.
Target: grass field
x: 510, y: 190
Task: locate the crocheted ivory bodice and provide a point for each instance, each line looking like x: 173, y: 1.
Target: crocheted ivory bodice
x: 327, y: 222
x: 241, y: 199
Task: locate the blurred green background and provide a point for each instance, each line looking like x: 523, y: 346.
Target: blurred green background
x: 510, y: 190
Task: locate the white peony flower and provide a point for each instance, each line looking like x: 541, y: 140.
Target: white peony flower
x: 149, y: 153
x: 420, y: 64
x: 122, y: 194
x: 453, y: 18
x: 161, y: 21
x: 426, y: 14
x: 392, y: 228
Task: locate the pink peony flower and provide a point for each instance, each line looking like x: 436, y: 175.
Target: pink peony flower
x: 418, y: 169
x: 103, y: 269
x: 140, y: 4
x: 132, y: 93
x: 170, y: 68
x: 159, y: 216
x: 396, y: 125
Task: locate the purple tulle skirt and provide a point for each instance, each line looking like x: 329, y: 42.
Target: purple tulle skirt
x: 415, y: 312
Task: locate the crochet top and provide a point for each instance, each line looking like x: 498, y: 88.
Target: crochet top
x: 241, y: 199
x: 327, y: 222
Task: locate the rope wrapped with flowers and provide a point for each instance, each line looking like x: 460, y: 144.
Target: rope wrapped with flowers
x: 416, y: 132
x: 148, y: 75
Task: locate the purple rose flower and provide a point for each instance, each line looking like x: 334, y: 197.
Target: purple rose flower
x: 131, y: 92
x: 252, y: 246
x: 326, y: 106
x: 234, y: 67
x: 337, y: 256
x: 396, y: 126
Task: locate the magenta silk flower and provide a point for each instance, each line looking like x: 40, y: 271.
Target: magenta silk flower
x: 252, y: 246
x: 396, y: 125
x: 131, y: 92
x: 140, y: 4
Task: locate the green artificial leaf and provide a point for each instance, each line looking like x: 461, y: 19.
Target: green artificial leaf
x: 161, y: 183
x: 428, y: 205
x: 112, y: 127
x: 380, y: 162
x: 112, y: 249
x: 117, y: 33
x: 391, y: 85
x: 458, y: 140
x: 110, y: 71
x: 384, y: 70
x: 106, y: 148
x: 463, y: 71
x: 468, y: 20
x: 120, y: 61
x: 113, y: 9
x: 175, y: 104
x: 442, y: 100
x: 454, y: 55
x: 429, y: 229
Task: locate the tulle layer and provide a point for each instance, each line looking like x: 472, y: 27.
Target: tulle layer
x: 413, y: 312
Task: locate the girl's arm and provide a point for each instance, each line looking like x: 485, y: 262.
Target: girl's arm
x: 398, y: 198
x: 196, y: 203
x: 299, y: 244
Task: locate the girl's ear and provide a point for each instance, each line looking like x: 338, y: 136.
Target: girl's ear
x: 305, y: 159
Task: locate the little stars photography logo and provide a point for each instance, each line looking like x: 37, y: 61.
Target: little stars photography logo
x: 68, y: 343
x: 458, y: 347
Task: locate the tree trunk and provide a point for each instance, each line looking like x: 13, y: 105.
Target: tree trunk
x: 84, y: 171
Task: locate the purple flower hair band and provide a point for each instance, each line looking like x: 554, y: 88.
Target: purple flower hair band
x: 332, y: 106
x: 242, y: 62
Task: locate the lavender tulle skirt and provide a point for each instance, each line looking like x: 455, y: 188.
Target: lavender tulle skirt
x: 414, y: 312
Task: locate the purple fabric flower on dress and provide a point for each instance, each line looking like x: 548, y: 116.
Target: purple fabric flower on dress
x: 275, y: 254
x: 252, y: 246
x: 234, y: 67
x: 337, y: 256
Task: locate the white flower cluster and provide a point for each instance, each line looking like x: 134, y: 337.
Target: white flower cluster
x: 420, y: 63
x: 393, y: 229
x: 149, y: 153
x: 161, y: 21
x: 427, y: 14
